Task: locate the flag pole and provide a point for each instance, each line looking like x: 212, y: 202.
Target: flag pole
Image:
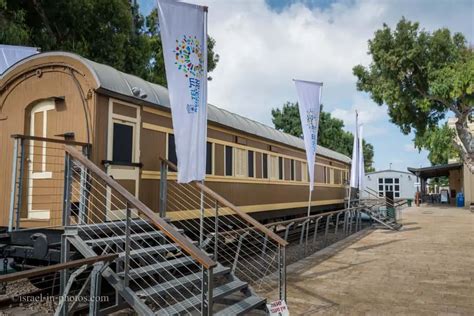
x: 309, y: 202
x: 201, y: 219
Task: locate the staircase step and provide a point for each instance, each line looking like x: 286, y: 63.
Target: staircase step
x: 121, y: 238
x: 159, y: 267
x: 112, y: 226
x: 149, y: 251
x: 175, y: 284
x: 242, y: 307
x: 217, y: 293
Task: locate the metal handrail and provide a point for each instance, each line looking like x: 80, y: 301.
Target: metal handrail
x: 56, y: 267
x: 50, y: 140
x: 158, y: 222
x: 250, y: 220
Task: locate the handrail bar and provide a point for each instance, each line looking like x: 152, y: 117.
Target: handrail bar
x: 160, y: 223
x: 56, y: 267
x: 302, y: 219
x: 249, y: 219
x: 51, y: 140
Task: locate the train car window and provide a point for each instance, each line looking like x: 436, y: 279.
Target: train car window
x: 280, y: 168
x: 122, y: 143
x: 240, y: 162
x: 292, y: 170
x: 265, y: 166
x: 172, y: 149
x: 304, y: 172
x: 251, y: 159
x: 208, y: 158
x: 228, y: 161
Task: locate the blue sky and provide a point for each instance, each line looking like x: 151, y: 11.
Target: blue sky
x: 264, y: 44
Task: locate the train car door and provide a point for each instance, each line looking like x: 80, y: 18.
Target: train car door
x: 40, y: 175
x: 123, y: 153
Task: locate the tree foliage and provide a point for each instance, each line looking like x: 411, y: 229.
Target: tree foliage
x: 112, y: 32
x: 421, y: 77
x: 438, y: 141
x: 331, y: 133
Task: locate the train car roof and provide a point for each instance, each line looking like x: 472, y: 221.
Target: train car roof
x: 114, y: 81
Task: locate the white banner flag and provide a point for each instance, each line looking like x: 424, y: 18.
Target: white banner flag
x: 361, y: 158
x: 355, y: 157
x: 183, y: 29
x: 309, y: 104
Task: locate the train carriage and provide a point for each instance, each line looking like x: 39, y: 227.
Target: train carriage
x: 124, y: 124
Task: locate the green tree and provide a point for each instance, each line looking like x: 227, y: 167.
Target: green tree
x: 112, y: 32
x: 438, y: 141
x: 421, y: 77
x: 331, y: 133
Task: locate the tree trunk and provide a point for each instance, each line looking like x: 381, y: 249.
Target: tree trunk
x: 464, y: 140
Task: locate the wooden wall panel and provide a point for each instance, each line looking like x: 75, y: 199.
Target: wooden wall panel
x: 298, y: 170
x: 287, y: 172
x: 254, y: 194
x: 124, y: 110
x: 152, y: 147
x: 150, y: 193
x: 219, y: 157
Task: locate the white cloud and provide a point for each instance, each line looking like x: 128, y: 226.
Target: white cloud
x: 261, y: 50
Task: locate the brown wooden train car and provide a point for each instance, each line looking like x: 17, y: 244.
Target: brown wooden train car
x: 127, y: 122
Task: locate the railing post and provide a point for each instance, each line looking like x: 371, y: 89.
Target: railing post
x: 237, y: 253
x: 20, y: 183
x: 13, y: 185
x: 163, y: 188
x: 337, y: 222
x: 63, y: 274
x: 82, y: 196
x: 282, y: 272
x: 287, y: 230
x: 207, y: 286
x: 67, y: 190
x: 328, y: 219
x: 127, y: 246
x: 96, y: 277
x: 303, y: 230
x: 216, y: 230
x: 316, y: 228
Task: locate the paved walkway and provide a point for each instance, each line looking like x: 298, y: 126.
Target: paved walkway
x: 425, y: 269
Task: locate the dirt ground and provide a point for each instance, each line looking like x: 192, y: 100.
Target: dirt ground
x: 427, y: 268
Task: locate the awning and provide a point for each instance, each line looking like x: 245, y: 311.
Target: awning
x: 435, y: 171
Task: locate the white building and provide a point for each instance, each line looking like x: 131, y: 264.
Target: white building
x: 401, y: 183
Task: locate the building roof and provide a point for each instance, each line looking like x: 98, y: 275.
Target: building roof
x: 112, y: 81
x: 435, y: 171
x: 386, y: 170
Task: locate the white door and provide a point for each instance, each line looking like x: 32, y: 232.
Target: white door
x: 38, y: 175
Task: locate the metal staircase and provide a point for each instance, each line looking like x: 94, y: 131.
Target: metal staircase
x: 158, y: 270
x: 161, y: 268
x: 373, y: 208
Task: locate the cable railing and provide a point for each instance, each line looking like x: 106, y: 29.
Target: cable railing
x: 37, y: 180
x: 158, y: 268
x: 233, y: 238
